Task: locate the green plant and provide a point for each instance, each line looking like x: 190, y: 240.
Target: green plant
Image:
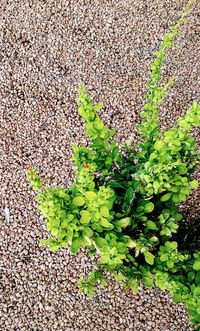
x: 123, y: 204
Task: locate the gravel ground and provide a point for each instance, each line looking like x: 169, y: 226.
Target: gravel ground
x: 47, y: 49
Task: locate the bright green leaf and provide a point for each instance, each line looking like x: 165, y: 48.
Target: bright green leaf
x: 194, y: 184
x: 164, y: 257
x: 149, y: 258
x: 87, y: 232
x: 166, y: 197
x: 151, y: 225
x: 196, y: 265
x: 149, y: 207
x: 148, y: 282
x: 76, y: 244
x: 170, y: 264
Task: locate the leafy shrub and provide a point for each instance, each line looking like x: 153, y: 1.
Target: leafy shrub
x: 124, y: 202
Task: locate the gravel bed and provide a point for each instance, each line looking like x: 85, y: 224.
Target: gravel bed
x: 47, y: 49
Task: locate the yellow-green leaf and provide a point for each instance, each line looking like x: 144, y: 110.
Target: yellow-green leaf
x: 124, y: 222
x: 91, y: 196
x: 79, y: 201
x: 54, y: 232
x: 85, y: 217
x: 166, y: 197
x: 106, y: 224
x: 194, y: 184
x: 159, y: 145
x: 149, y: 258
x: 104, y: 212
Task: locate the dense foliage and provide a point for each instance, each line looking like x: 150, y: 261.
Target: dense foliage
x: 124, y: 202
